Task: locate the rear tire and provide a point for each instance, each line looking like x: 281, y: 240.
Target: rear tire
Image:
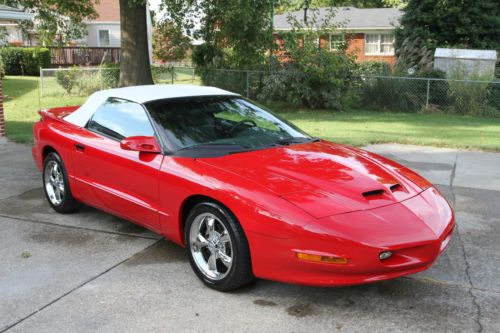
x: 217, y: 248
x: 56, y: 185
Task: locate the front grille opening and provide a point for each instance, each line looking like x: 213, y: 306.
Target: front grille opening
x: 373, y: 193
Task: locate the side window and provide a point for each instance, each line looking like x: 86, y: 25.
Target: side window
x: 118, y: 119
x: 104, y: 38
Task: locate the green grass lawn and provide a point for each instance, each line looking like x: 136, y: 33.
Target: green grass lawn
x: 21, y: 103
x: 359, y: 128
x: 354, y: 127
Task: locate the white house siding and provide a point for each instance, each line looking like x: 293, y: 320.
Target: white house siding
x: 14, y: 34
x: 92, y: 39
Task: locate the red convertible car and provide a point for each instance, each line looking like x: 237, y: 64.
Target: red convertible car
x: 247, y: 193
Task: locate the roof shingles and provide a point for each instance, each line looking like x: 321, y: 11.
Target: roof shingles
x: 108, y: 11
x: 350, y: 18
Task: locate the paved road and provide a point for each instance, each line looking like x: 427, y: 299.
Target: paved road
x: 94, y: 272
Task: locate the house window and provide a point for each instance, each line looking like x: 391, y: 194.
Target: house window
x: 379, y: 44
x: 104, y: 38
x: 336, y: 42
x: 312, y: 39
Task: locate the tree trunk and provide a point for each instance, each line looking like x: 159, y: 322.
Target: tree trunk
x: 135, y: 68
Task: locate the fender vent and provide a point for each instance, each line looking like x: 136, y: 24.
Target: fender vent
x: 373, y: 193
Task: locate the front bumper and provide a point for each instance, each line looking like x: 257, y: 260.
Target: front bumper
x: 417, y: 231
x: 36, y: 157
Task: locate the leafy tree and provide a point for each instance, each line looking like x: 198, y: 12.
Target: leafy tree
x: 56, y: 17
x: 312, y: 76
x: 241, y: 28
x: 66, y: 17
x: 3, y: 36
x: 169, y: 41
x: 450, y: 23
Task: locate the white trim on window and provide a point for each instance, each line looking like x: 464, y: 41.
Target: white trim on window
x: 99, y: 37
x: 377, y: 43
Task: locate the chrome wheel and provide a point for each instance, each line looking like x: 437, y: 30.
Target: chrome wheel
x: 211, y: 247
x: 54, y: 183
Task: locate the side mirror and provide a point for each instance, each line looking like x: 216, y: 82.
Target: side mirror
x: 145, y: 144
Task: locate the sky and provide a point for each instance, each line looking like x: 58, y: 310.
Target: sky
x: 154, y: 4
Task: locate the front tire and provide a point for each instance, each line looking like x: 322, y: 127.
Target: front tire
x: 56, y: 185
x: 217, y: 247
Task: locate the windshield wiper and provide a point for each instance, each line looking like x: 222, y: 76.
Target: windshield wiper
x: 213, y: 146
x: 289, y: 141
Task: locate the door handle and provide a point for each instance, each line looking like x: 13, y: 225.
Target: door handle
x: 79, y: 147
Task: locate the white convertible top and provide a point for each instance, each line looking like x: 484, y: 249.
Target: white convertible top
x: 140, y: 94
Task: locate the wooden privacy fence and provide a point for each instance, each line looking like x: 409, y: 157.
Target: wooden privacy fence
x: 75, y: 55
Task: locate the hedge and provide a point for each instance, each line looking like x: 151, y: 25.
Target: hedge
x: 25, y: 60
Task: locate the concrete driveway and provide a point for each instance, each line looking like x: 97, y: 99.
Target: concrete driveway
x: 94, y: 272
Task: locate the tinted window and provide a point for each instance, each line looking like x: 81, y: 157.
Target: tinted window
x: 119, y: 119
x: 218, y: 121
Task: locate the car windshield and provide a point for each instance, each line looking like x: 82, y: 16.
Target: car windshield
x: 221, y: 122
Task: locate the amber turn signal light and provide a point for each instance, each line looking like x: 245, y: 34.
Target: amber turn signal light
x: 320, y: 258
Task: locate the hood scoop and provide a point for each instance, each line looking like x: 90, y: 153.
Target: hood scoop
x: 396, y: 187
x: 373, y: 193
x: 323, y: 179
x: 376, y: 194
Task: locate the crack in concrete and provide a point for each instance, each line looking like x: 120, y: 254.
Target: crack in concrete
x: 464, y: 254
x: 467, y: 274
x: 77, y: 287
x: 76, y: 227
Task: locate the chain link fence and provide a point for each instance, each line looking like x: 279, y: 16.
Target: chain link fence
x: 428, y: 94
x: 400, y: 94
x: 83, y: 81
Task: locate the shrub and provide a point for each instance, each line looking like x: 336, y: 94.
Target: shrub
x: 207, y: 55
x: 494, y: 95
x: 311, y: 75
x: 34, y: 58
x: 471, y: 98
x: 235, y: 81
x: 68, y: 78
x: 395, y: 94
x: 25, y: 60
x: 162, y: 74
x: 12, y: 58
x: 89, y: 81
x: 110, y: 75
x: 2, y: 68
x: 373, y: 68
x: 312, y: 78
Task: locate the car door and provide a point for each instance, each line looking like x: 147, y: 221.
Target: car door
x: 119, y: 181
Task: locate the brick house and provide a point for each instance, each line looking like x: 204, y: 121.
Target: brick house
x: 370, y: 31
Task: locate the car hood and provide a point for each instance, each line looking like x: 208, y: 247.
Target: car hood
x: 323, y: 178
